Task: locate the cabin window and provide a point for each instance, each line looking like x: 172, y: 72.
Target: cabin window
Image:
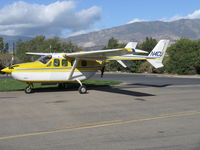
x: 83, y: 63
x: 49, y: 64
x: 64, y: 62
x: 72, y: 62
x: 44, y: 59
x: 56, y: 62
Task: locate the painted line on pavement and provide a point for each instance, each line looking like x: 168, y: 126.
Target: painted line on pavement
x: 100, y: 124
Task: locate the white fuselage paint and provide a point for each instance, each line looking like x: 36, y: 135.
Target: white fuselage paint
x: 50, y: 76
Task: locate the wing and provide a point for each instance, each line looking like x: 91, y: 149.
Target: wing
x: 98, y: 54
x: 41, y: 54
x: 93, y: 55
x: 109, y: 52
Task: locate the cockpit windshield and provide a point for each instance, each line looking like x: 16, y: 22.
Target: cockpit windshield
x: 44, y: 59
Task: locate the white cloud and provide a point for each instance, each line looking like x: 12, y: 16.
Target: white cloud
x: 194, y: 15
x: 136, y: 20
x: 77, y: 33
x: 21, y: 18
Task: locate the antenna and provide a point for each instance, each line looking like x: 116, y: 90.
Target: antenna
x: 50, y: 48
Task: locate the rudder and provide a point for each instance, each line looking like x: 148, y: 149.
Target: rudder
x: 158, y: 53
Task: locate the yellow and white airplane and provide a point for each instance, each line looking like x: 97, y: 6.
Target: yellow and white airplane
x: 69, y: 67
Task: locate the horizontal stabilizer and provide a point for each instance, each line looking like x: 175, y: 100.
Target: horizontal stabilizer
x: 131, y: 45
x: 140, y: 51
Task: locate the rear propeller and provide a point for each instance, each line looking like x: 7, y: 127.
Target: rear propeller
x: 102, y: 71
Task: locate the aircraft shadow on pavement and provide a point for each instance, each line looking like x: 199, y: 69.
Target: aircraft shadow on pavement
x: 148, y: 85
x: 118, y: 90
x: 104, y: 88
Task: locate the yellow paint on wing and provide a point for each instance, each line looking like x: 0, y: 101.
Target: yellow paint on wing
x: 126, y: 58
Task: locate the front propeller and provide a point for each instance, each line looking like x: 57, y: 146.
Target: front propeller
x: 9, y: 68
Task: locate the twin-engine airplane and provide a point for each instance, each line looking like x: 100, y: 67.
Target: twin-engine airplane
x: 69, y: 67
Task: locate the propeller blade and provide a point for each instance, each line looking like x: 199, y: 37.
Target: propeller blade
x: 102, y: 71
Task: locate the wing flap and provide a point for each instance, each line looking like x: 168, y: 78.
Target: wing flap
x: 130, y: 57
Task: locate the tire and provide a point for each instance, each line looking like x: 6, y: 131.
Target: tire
x: 82, y: 89
x: 28, y: 90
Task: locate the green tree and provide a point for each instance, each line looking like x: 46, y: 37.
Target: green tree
x: 1, y: 45
x: 113, y: 43
x: 69, y: 47
x: 184, y: 57
x: 136, y: 65
x: 140, y: 65
x: 148, y: 44
x: 6, y: 47
x: 114, y: 65
x: 40, y: 44
x: 5, y: 59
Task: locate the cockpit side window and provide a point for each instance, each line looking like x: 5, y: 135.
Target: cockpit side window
x: 44, y: 59
x: 56, y: 62
x: 64, y: 62
x: 83, y: 63
x: 49, y: 64
x: 72, y: 62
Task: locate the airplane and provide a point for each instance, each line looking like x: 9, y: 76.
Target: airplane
x: 63, y: 68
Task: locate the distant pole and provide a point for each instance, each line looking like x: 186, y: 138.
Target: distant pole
x: 50, y: 48
x: 13, y: 48
x: 13, y: 55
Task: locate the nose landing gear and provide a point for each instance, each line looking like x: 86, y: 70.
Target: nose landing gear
x: 29, y: 88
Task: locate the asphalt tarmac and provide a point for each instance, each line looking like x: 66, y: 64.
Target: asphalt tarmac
x: 144, y: 113
x: 149, y: 79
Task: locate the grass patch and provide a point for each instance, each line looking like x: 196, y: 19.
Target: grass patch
x: 14, y: 85
x: 101, y: 82
x: 11, y: 85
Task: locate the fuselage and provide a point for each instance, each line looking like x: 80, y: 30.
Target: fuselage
x: 53, y: 69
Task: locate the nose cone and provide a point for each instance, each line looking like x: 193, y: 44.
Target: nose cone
x: 7, y: 70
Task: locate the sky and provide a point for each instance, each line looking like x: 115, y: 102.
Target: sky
x: 71, y: 17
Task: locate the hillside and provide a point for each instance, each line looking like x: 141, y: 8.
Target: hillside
x: 189, y: 28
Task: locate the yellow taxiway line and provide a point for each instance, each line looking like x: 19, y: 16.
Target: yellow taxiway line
x: 100, y: 124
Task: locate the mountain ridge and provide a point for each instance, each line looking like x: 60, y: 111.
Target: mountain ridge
x: 138, y: 31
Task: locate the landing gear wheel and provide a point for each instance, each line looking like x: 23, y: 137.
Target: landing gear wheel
x: 82, y: 89
x: 28, y: 90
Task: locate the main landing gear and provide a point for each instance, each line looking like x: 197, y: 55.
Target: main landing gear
x: 29, y: 88
x: 82, y: 89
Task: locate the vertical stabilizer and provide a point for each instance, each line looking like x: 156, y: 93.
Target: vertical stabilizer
x: 158, y: 54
